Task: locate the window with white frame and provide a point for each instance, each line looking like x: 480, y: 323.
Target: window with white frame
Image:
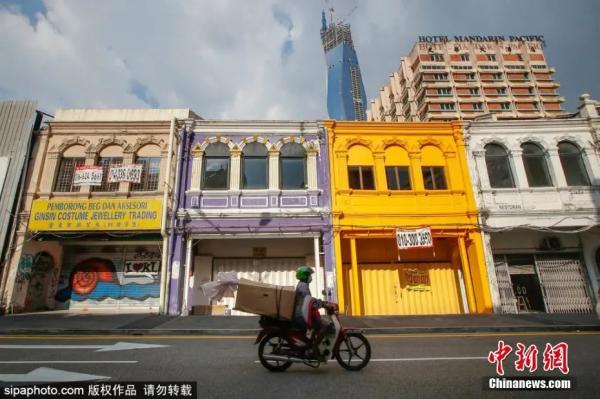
x: 215, y: 170
x: 255, y: 166
x: 447, y: 106
x: 106, y: 163
x: 572, y: 164
x: 464, y: 57
x: 66, y: 172
x: 292, y: 167
x: 150, y: 174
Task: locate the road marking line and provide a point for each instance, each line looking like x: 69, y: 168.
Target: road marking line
x: 66, y: 361
x: 119, y: 346
x: 507, y: 334
x: 414, y: 359
x: 45, y: 374
x: 225, y: 337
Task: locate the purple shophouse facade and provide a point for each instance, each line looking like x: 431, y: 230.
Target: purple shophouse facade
x: 229, y: 217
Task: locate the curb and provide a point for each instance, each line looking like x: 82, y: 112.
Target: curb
x: 252, y: 332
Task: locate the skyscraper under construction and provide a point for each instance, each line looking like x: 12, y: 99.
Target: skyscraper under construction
x: 346, y: 99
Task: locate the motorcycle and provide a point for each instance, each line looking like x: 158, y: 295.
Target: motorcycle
x: 281, y: 343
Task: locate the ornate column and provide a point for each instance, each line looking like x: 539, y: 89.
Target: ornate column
x: 273, y: 168
x: 590, y: 160
x: 481, y: 169
x: 90, y: 160
x: 452, y: 165
x: 49, y: 171
x: 556, y: 167
x: 128, y: 158
x: 311, y: 169
x: 197, y: 157
x: 464, y: 261
x: 356, y: 308
x: 380, y: 177
x: 520, y: 175
x: 341, y: 167
x: 234, y: 176
x: 416, y: 175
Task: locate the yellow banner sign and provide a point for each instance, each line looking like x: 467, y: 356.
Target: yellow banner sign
x: 95, y: 214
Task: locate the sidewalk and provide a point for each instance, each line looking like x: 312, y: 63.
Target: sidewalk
x: 147, y: 324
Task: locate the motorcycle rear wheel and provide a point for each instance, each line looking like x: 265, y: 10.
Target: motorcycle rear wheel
x: 272, y: 344
x: 353, y: 352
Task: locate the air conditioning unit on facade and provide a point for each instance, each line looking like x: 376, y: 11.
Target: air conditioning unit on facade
x: 551, y: 244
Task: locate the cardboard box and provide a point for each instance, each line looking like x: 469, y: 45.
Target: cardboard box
x: 266, y: 299
x: 209, y: 310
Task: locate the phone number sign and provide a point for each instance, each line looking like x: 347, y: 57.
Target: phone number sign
x: 414, y: 238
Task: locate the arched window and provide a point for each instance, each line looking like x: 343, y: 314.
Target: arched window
x: 73, y: 157
x: 572, y: 164
x: 149, y: 157
x: 535, y: 165
x: 498, y: 167
x: 215, y: 175
x: 109, y: 156
x: 255, y: 165
x: 397, y: 168
x: 292, y: 166
x: 433, y: 170
x: 360, y: 168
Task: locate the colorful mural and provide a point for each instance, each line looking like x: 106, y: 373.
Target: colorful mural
x: 109, y: 276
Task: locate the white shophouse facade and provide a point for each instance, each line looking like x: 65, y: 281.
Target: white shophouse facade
x: 537, y: 184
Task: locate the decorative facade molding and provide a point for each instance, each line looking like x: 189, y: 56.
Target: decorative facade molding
x: 69, y: 143
x: 141, y: 142
x: 215, y: 139
x: 105, y: 142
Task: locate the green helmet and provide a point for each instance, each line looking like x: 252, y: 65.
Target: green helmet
x: 303, y: 273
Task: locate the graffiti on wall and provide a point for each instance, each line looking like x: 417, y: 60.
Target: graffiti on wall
x: 36, y: 279
x: 110, y: 279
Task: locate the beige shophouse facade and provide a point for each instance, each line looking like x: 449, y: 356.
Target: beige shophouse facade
x: 102, y: 246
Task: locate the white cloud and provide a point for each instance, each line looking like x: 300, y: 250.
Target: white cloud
x: 225, y: 59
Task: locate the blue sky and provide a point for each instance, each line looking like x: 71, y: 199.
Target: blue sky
x: 259, y: 59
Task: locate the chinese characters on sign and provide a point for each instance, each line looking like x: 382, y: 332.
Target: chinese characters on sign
x: 95, y: 214
x: 555, y: 357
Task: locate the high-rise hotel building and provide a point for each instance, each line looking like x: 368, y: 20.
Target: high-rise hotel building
x: 468, y: 76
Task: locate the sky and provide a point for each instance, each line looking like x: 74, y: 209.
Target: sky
x: 256, y: 59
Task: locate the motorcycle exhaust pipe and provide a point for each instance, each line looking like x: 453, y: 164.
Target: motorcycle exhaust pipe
x: 284, y: 358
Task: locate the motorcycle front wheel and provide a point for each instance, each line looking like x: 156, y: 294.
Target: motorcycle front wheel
x: 353, y: 352
x: 273, y: 344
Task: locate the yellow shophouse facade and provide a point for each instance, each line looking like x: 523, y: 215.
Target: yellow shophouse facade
x: 389, y: 178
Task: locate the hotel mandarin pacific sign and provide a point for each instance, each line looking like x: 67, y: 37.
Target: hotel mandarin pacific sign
x: 95, y: 214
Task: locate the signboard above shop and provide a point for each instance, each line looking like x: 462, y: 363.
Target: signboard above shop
x: 95, y: 215
x: 414, y: 238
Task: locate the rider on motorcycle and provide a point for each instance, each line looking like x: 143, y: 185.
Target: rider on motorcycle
x: 306, y: 310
